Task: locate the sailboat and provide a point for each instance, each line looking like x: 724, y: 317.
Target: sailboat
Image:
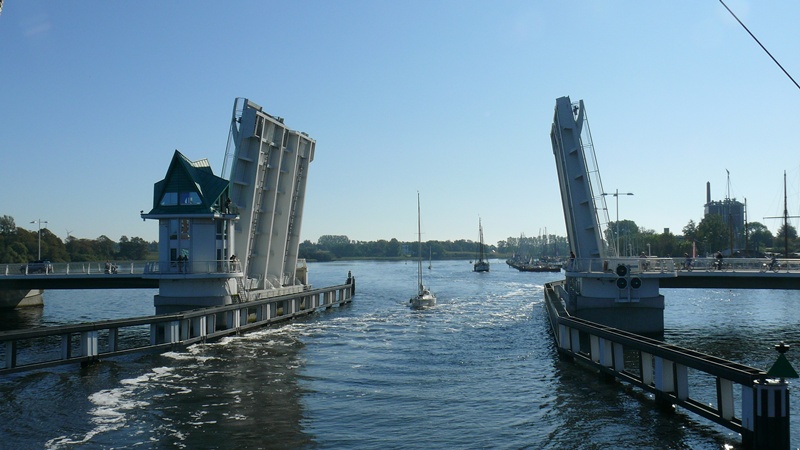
x: 481, y: 265
x: 424, y: 298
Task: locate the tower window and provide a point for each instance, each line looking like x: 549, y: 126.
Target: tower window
x: 169, y: 199
x: 190, y: 198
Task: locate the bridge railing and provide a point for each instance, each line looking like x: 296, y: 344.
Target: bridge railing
x: 126, y: 267
x: 676, y: 375
x: 633, y: 265
x: 736, y: 264
x: 43, y: 347
x: 215, y: 266
x: 640, y: 265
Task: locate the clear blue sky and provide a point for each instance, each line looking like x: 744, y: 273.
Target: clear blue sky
x: 451, y: 98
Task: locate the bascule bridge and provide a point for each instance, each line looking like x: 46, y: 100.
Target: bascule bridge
x: 233, y: 238
x: 601, y: 286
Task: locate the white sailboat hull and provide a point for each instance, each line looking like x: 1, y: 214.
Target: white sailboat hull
x: 424, y: 300
x: 481, y: 266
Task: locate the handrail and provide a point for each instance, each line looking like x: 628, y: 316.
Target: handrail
x: 167, y: 331
x: 122, y: 268
x: 658, y: 367
x: 666, y: 265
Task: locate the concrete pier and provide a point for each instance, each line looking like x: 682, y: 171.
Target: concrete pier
x: 20, y: 298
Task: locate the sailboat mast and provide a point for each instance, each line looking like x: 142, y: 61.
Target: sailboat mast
x: 785, y: 219
x: 419, y: 241
x: 480, y: 245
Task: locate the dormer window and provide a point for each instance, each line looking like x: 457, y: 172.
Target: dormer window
x: 180, y: 198
x: 189, y: 198
x: 169, y: 199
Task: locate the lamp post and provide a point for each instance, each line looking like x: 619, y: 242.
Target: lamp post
x: 616, y: 195
x: 40, y: 222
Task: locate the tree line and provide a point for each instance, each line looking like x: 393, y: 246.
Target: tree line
x: 18, y: 245
x: 706, y: 238
x: 711, y: 235
x: 332, y: 247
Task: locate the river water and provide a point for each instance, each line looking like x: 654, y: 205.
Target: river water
x: 477, y: 371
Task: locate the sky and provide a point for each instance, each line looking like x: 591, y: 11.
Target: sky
x: 453, y: 99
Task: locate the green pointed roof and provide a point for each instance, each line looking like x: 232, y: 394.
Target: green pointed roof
x: 190, y: 187
x: 782, y: 369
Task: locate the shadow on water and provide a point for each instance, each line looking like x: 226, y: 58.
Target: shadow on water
x: 21, y: 318
x: 595, y: 412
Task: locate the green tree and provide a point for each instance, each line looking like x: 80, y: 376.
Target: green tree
x: 330, y: 240
x: 132, y: 249
x: 8, y: 231
x: 7, y: 226
x: 759, y: 237
x: 53, y: 247
x: 81, y: 250
x: 103, y: 248
x: 785, y: 239
x: 713, y: 233
x: 628, y: 233
x: 665, y: 244
x: 690, y: 231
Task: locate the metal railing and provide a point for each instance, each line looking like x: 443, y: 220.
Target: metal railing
x: 737, y: 264
x: 671, y: 373
x: 127, y: 267
x: 217, y: 266
x: 639, y: 265
x: 609, y: 265
x: 84, y: 343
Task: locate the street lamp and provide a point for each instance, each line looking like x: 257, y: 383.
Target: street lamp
x: 40, y: 222
x: 616, y: 195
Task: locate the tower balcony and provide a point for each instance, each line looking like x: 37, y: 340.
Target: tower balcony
x: 195, y: 269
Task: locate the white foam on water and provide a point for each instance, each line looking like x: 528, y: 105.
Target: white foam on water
x: 191, y: 353
x: 113, y: 406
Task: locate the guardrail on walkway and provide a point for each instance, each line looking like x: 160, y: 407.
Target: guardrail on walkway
x: 667, y: 371
x: 127, y: 267
x: 634, y: 265
x: 738, y: 264
x: 641, y: 265
x: 85, y: 343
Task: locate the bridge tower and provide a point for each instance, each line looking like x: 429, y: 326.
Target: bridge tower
x: 195, y: 237
x: 601, y: 287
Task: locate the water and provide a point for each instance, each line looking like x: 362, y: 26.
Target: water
x: 477, y: 371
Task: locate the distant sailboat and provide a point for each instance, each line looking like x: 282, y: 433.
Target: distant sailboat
x: 424, y: 298
x: 481, y: 265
